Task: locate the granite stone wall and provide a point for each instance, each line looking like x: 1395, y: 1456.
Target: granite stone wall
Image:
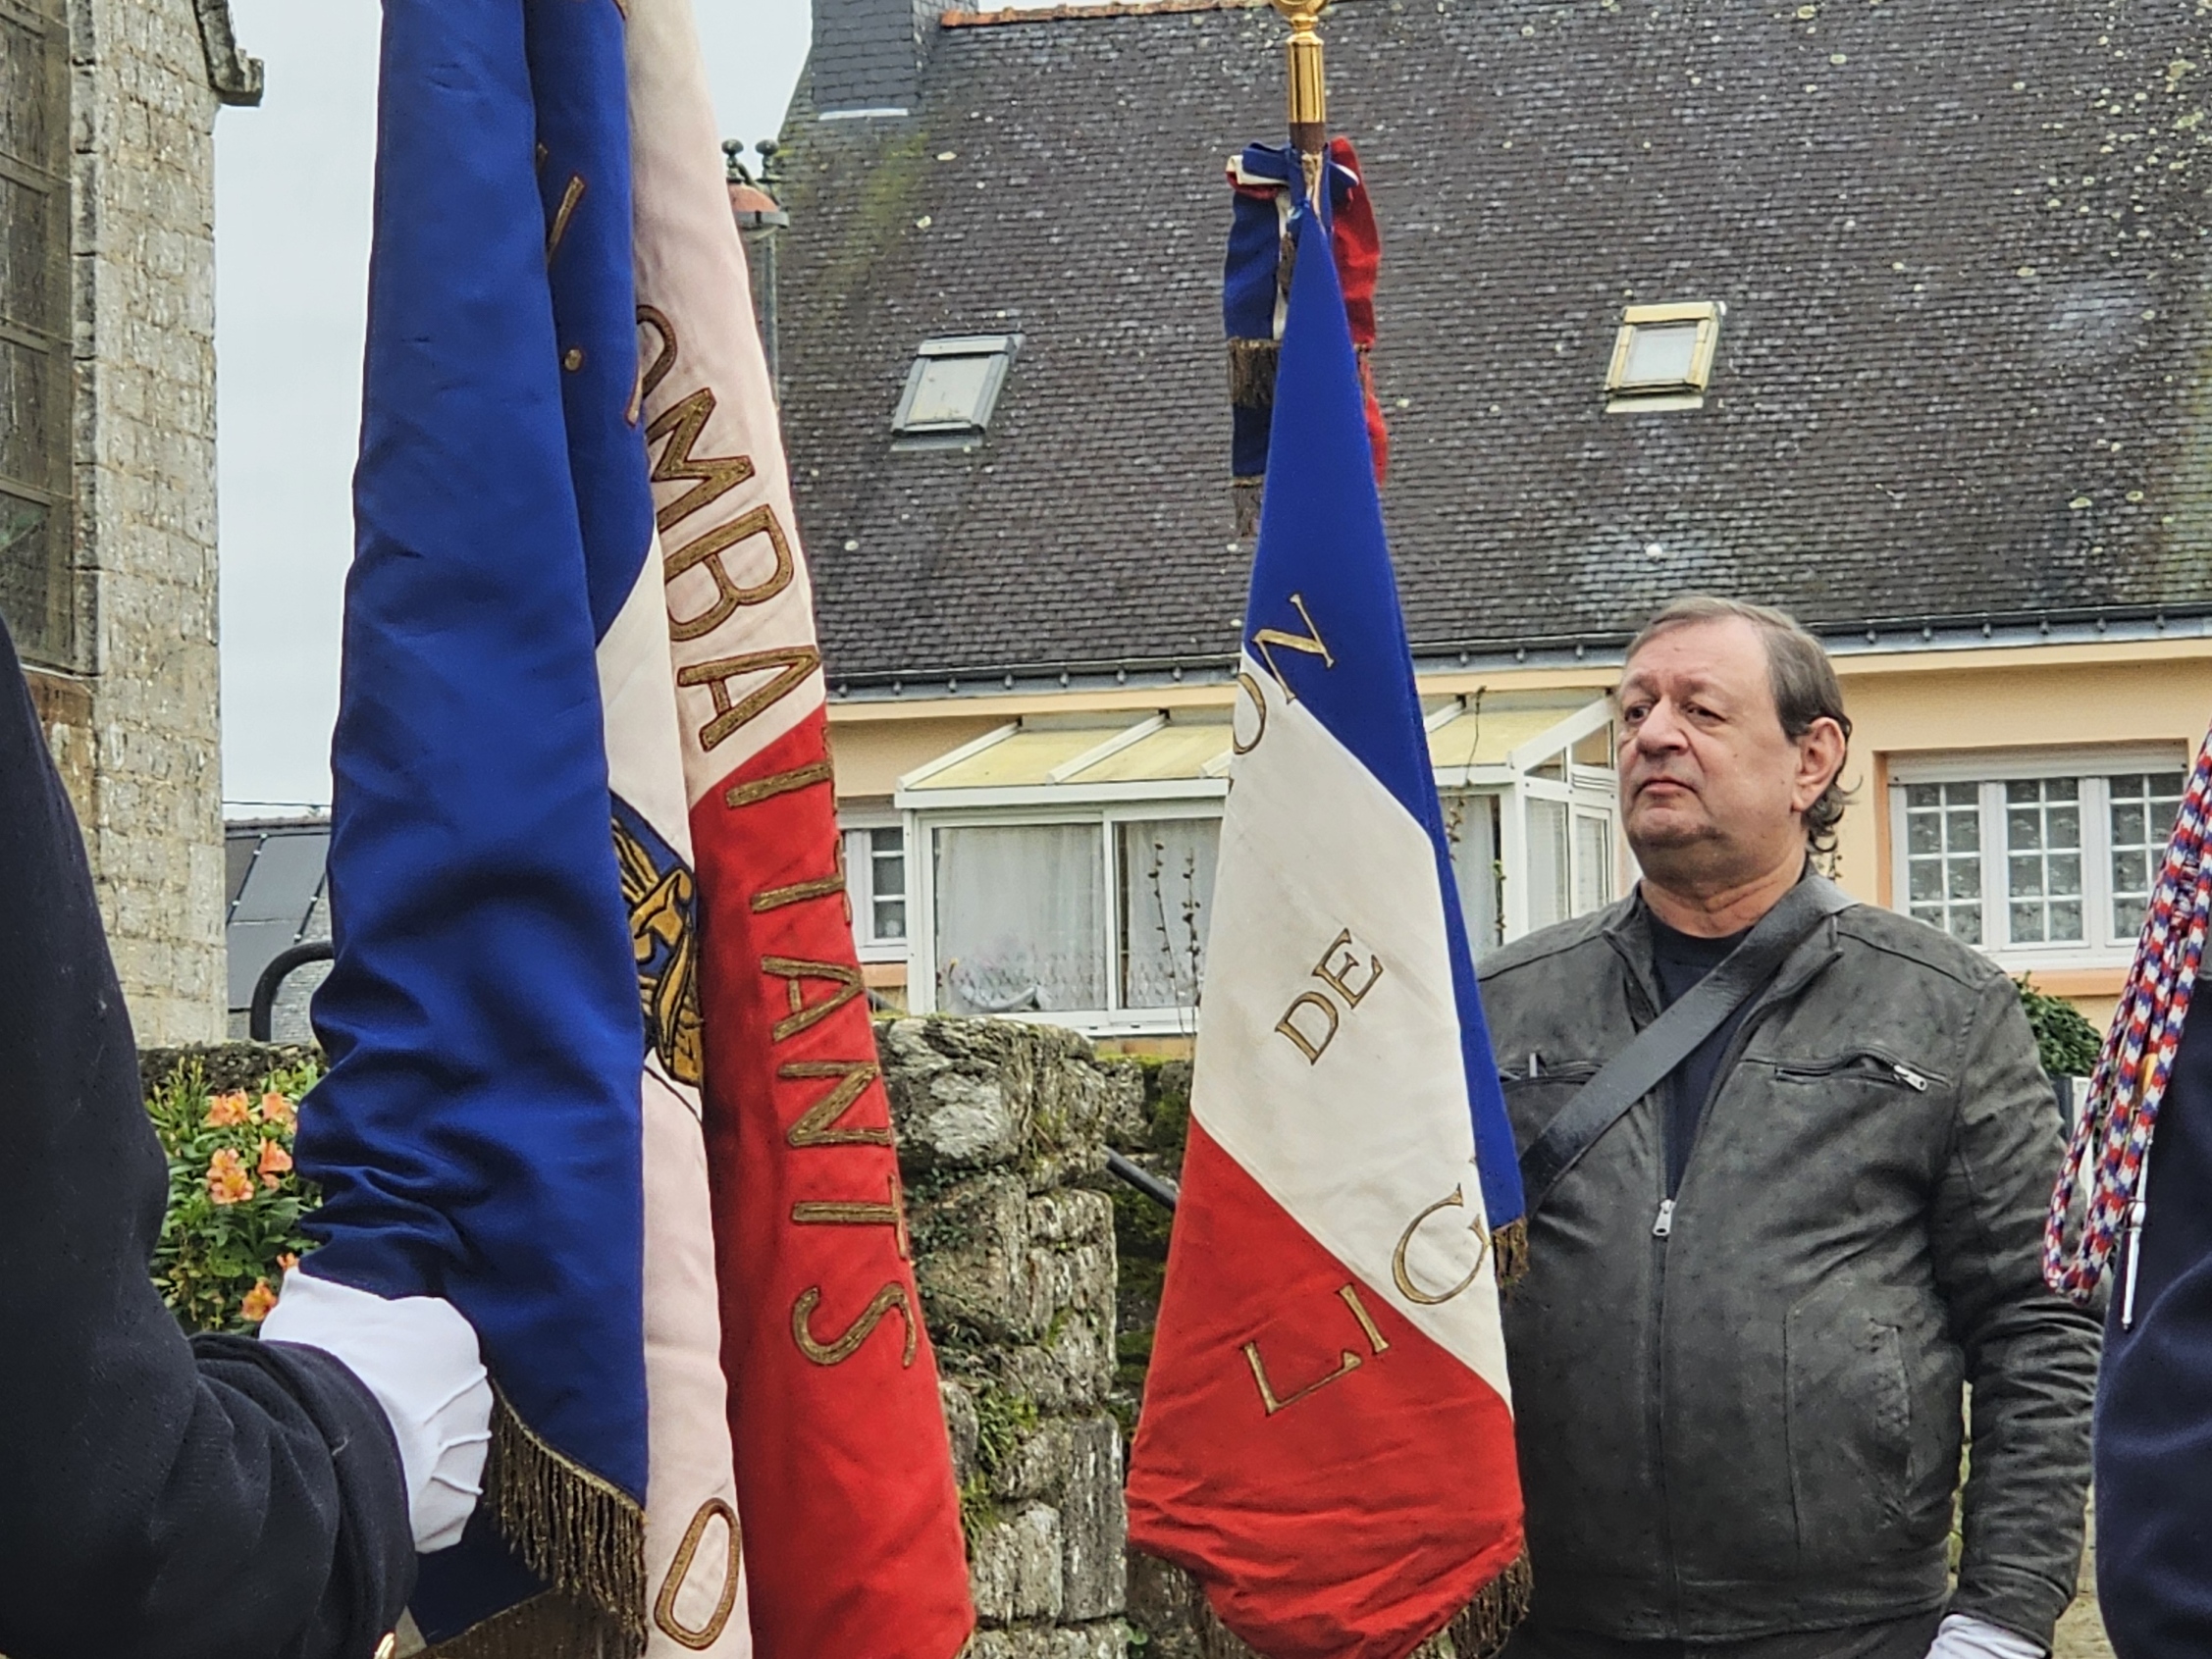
x: 1003, y: 1132
x: 137, y: 730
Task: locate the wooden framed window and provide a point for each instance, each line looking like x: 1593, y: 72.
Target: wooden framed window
x: 38, y: 577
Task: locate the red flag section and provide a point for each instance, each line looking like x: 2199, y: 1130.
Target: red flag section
x: 1293, y: 1416
x: 852, y: 1540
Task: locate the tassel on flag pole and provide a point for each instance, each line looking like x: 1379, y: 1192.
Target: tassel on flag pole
x: 1270, y: 183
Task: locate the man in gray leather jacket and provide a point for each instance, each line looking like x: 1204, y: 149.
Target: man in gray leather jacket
x: 1753, y: 1306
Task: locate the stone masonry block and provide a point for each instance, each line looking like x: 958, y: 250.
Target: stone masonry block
x: 973, y: 1251
x: 961, y: 1427
x: 1038, y: 1464
x: 1015, y: 1569
x: 1093, y: 1524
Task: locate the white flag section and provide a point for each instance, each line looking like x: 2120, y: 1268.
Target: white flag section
x: 693, y: 1561
x: 1330, y: 963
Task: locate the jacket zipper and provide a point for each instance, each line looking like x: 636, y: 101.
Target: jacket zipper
x: 1663, y: 1232
x: 1917, y: 1081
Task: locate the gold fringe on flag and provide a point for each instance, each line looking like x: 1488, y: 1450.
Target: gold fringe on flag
x: 1508, y: 1253
x: 582, y: 1535
x: 1245, y: 497
x: 1251, y: 373
x: 551, y: 1626
x: 1485, y: 1622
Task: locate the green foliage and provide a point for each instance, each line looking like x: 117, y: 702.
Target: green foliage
x: 234, y: 1200
x: 979, y: 1512
x: 1001, y: 1420
x: 2066, y: 1042
x: 1141, y: 1231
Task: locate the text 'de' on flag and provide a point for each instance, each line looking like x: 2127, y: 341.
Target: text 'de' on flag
x: 844, y: 1473
x: 1326, y: 1436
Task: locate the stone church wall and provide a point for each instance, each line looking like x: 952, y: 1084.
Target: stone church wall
x: 142, y: 116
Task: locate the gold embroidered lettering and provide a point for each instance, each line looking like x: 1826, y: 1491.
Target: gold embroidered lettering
x: 1403, y: 1279
x: 1348, y: 1360
x: 1289, y: 1026
x: 797, y: 892
x: 679, y: 1571
x: 843, y: 1213
x: 731, y: 595
x: 712, y: 475
x: 1252, y: 688
x: 1333, y: 974
x: 795, y: 974
x: 662, y: 357
x: 1375, y: 1338
x: 891, y: 1299
x: 793, y: 664
x: 778, y: 783
x: 1310, y: 643
x: 570, y: 198
x: 818, y: 1125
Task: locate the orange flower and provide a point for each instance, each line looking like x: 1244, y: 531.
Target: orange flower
x: 275, y: 1161
x: 225, y: 1110
x: 227, y: 1179
x: 275, y: 1108
x: 287, y: 1262
x: 258, y: 1301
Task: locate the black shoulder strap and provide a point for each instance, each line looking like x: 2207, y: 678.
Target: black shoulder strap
x: 1668, y: 1040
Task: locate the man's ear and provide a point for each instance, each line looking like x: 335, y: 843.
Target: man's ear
x: 1819, y: 759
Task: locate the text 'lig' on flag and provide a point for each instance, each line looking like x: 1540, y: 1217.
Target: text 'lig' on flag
x: 1326, y: 1439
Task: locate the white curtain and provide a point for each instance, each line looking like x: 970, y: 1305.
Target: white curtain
x: 1167, y: 881
x: 1470, y: 826
x: 1018, y: 918
x: 1546, y: 862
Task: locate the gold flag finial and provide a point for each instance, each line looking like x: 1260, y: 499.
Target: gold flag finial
x: 1308, y: 90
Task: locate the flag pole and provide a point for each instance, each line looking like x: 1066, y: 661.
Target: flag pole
x: 1308, y: 95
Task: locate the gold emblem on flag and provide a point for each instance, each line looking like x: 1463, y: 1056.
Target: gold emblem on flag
x: 662, y: 901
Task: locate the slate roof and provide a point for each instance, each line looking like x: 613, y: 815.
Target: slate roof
x: 1966, y: 371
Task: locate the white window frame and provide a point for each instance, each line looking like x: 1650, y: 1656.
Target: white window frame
x: 2102, y: 944
x: 922, y: 905
x: 857, y: 827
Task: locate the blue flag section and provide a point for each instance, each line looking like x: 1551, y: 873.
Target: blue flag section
x: 478, y: 1137
x: 1322, y: 538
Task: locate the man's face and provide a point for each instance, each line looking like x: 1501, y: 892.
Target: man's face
x: 1710, y: 788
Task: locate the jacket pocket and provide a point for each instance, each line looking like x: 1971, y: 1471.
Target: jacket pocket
x: 1866, y: 1065
x: 1850, y: 1429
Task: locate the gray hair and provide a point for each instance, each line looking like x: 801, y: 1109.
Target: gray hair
x: 1802, y: 680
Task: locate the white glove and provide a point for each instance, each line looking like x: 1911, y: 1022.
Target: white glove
x: 1962, y: 1637
x: 420, y: 1359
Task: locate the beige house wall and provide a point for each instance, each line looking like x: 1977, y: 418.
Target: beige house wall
x: 1903, y: 705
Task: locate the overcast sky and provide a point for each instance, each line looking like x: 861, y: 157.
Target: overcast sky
x: 292, y: 250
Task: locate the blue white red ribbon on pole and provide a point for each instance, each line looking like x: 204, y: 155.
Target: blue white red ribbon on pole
x: 1269, y: 185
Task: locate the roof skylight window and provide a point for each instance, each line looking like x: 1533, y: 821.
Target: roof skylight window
x: 1662, y: 357
x: 952, y: 390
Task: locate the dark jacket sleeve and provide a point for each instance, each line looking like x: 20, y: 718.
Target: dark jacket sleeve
x: 159, y: 1498
x: 2154, y: 1401
x: 2030, y: 1355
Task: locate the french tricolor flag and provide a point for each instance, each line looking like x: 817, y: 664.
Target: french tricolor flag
x: 1327, y: 1440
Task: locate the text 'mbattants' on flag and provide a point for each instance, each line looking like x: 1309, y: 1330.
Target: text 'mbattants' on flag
x: 1327, y: 1440
x: 554, y: 1095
